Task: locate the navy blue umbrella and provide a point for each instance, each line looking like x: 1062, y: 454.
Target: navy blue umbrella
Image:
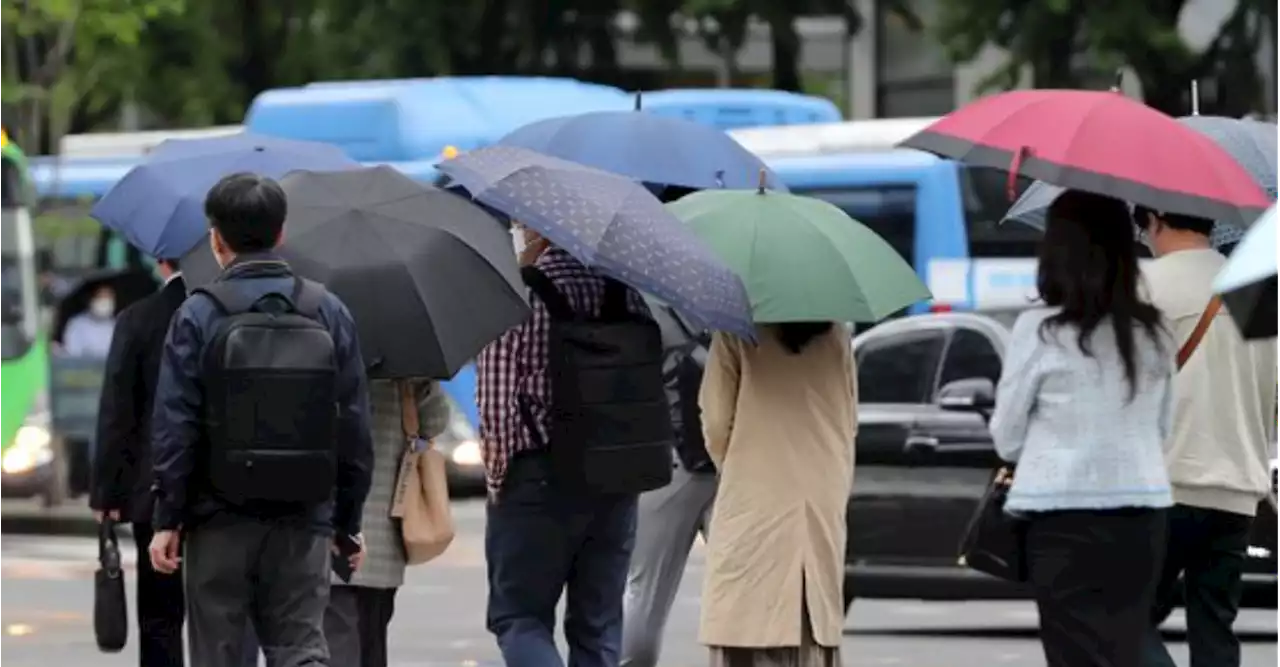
x: 610, y: 223
x: 656, y: 150
x: 159, y: 205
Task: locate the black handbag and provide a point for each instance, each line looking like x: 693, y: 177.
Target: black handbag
x: 995, y: 542
x: 110, y: 606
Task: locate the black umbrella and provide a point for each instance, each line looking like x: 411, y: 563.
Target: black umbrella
x: 1253, y: 307
x: 429, y: 278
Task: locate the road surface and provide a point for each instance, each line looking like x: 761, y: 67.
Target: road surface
x: 47, y: 600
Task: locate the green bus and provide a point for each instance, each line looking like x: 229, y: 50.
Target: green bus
x: 30, y: 463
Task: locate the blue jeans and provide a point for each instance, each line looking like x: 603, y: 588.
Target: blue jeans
x: 541, y: 541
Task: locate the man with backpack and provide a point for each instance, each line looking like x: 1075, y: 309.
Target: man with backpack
x: 575, y: 424
x: 261, y: 441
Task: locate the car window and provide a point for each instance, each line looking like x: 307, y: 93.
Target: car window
x: 970, y: 355
x: 900, y: 369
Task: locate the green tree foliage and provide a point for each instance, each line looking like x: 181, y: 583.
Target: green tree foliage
x: 69, y: 59
x: 1066, y: 43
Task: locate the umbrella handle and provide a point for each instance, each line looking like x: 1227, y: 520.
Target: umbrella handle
x: 1011, y: 186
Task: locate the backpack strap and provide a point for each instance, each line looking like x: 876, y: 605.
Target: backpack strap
x: 229, y: 299
x: 307, y: 297
x: 614, y: 306
x: 546, y: 290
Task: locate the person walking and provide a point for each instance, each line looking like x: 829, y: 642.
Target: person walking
x: 1224, y: 427
x: 546, y: 534
x: 89, y: 333
x: 261, y: 441
x: 359, y: 612
x: 779, y: 420
x: 120, y: 487
x: 1082, y: 408
x: 669, y: 519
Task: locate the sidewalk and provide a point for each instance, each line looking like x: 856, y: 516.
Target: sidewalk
x: 27, y: 517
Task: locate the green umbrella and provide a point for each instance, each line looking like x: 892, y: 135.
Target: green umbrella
x: 802, y: 259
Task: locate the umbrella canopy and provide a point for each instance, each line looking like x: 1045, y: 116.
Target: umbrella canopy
x: 1100, y: 142
x: 1251, y: 143
x: 159, y: 205
x: 430, y: 279
x: 656, y: 150
x: 1248, y: 281
x: 802, y: 259
x: 609, y: 223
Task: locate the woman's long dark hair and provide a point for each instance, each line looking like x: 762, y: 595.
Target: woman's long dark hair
x: 795, y: 336
x: 1089, y: 269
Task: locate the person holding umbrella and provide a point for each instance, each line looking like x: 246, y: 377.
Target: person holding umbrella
x: 228, y: 426
x: 567, y: 449
x: 780, y: 418
x: 1220, y: 445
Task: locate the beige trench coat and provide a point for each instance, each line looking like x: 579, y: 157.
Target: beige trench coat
x: 780, y: 428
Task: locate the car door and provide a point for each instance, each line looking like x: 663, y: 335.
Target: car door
x: 897, y: 375
x: 951, y: 453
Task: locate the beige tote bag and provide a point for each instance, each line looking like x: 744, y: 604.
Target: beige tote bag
x: 421, y: 500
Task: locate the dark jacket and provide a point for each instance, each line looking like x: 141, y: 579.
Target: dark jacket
x: 684, y: 358
x: 122, y: 467
x: 181, y: 494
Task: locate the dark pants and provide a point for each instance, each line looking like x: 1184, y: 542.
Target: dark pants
x: 1207, y: 549
x: 1094, y: 576
x: 355, y: 625
x: 161, y: 608
x: 242, y: 573
x: 541, y: 541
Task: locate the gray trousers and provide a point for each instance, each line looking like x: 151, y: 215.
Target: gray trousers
x: 668, y: 522
x: 271, y: 577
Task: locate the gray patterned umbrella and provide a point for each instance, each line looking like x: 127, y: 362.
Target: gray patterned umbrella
x: 610, y: 223
x: 1252, y: 143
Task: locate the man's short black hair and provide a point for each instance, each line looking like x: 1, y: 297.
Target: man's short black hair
x: 1189, y: 223
x: 248, y: 210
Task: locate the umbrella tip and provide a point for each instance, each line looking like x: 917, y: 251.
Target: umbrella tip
x: 639, y: 94
x: 764, y: 178
x: 1115, y: 87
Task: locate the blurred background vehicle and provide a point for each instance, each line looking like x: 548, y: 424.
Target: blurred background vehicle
x: 922, y: 467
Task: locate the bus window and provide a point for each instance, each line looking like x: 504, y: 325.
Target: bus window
x: 889, y: 211
x: 986, y: 196
x: 77, y: 244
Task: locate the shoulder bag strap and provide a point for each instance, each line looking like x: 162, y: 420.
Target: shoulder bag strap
x: 1197, y: 334
x: 545, y: 289
x: 414, y: 445
x: 614, y: 306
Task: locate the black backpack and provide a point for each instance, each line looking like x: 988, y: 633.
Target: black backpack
x: 270, y: 399
x: 610, y: 424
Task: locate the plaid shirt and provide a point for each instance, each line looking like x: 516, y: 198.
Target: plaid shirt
x: 513, y: 369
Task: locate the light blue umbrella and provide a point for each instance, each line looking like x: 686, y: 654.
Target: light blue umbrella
x: 1252, y: 143
x: 1254, y: 259
x: 656, y: 150
x: 609, y: 223
x: 1248, y: 281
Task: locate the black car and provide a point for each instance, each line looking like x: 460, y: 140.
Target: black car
x: 921, y: 469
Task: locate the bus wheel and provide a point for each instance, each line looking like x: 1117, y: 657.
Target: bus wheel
x: 55, y: 492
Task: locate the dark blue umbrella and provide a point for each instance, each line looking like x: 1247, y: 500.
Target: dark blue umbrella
x: 1252, y: 143
x: 656, y: 150
x: 159, y: 205
x: 610, y: 223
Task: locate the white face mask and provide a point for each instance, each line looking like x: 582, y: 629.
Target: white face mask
x: 102, y: 307
x: 518, y: 240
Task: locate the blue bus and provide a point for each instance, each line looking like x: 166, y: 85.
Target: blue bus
x: 940, y: 215
x: 409, y: 124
